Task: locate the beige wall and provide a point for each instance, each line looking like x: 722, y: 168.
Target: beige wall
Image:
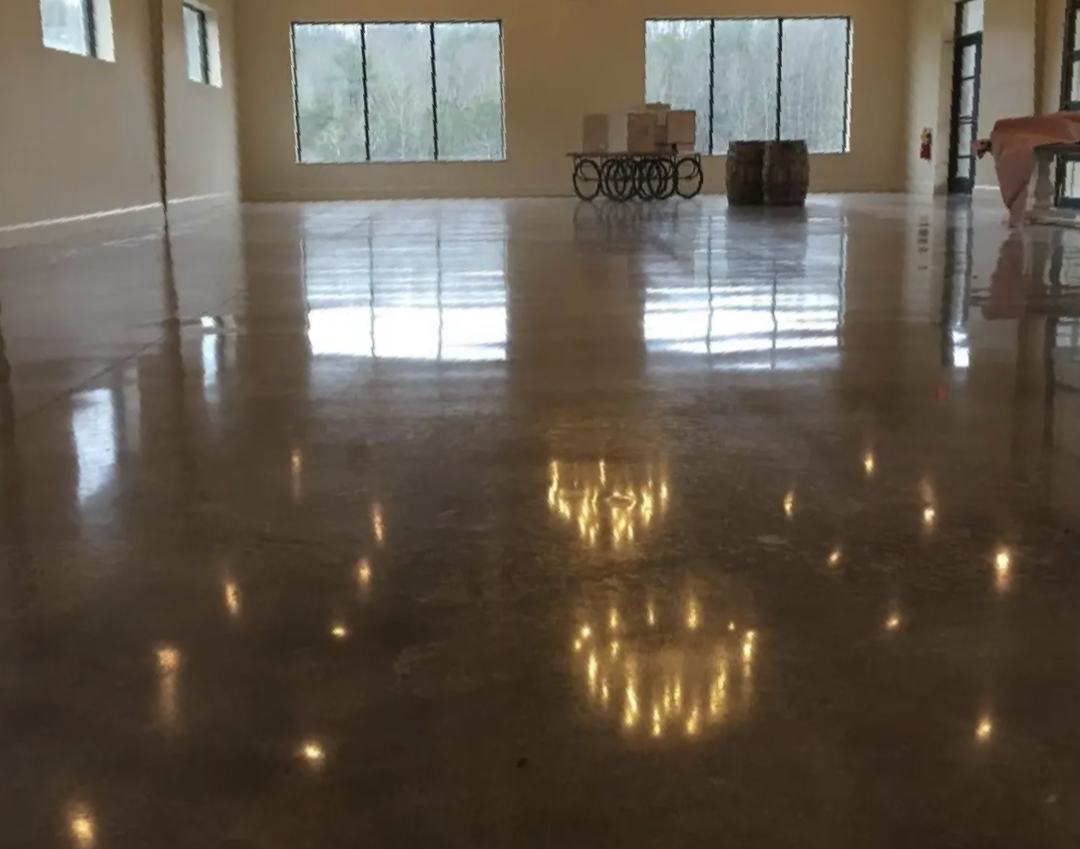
x: 562, y: 58
x: 78, y: 135
x: 1021, y: 74
x: 1051, y: 21
x: 1007, y: 86
x: 201, y: 147
x: 929, y: 88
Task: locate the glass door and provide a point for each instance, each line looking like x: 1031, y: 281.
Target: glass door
x: 967, y: 64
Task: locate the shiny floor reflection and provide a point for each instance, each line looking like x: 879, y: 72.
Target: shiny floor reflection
x: 542, y: 524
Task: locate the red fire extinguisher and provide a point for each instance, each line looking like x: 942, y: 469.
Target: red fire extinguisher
x: 926, y: 147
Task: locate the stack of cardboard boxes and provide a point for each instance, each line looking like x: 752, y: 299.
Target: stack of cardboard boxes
x: 653, y: 128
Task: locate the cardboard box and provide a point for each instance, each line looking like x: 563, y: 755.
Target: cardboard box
x: 631, y: 132
x: 594, y: 134
x: 641, y: 132
x: 681, y: 126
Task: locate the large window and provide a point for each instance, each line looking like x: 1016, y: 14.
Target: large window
x: 398, y: 92
x: 68, y: 25
x: 754, y: 78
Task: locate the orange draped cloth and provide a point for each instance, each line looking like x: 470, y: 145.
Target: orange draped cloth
x: 1013, y: 142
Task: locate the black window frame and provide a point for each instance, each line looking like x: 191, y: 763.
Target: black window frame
x: 712, y: 70
x: 89, y: 31
x: 963, y: 41
x: 430, y: 24
x: 204, y: 44
x: 1069, y: 56
x: 91, y: 28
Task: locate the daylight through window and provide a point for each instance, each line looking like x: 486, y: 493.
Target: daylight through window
x: 68, y: 25
x: 754, y: 78
x: 196, y: 44
x: 398, y: 92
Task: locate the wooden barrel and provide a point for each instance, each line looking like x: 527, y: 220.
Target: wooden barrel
x: 787, y: 173
x: 745, y: 170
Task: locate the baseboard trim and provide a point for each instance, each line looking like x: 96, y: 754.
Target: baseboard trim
x: 14, y: 234
x: 211, y: 198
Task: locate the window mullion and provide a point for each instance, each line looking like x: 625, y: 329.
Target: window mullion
x: 434, y: 95
x: 712, y: 78
x: 91, y: 27
x: 847, y: 88
x: 779, y: 71
x: 204, y: 48
x: 363, y: 78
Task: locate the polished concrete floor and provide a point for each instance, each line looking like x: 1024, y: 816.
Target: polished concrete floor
x: 531, y: 524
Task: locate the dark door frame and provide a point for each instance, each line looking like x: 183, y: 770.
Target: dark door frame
x: 964, y: 185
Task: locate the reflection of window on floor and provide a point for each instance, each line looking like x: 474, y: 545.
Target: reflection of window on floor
x: 956, y: 287
x: 1070, y: 185
x: 961, y: 352
x: 94, y: 426
x: 409, y: 296
x: 750, y: 312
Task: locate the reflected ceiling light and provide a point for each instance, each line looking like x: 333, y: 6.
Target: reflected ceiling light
x: 834, y: 556
x: 693, y: 615
x: 693, y: 722
x: 984, y: 730
x: 929, y: 516
x: 339, y: 631
x: 377, y: 522
x: 789, y: 504
x: 893, y: 622
x: 232, y: 598
x: 748, y: 646
x: 296, y: 464
x: 650, y: 614
x: 363, y: 572
x: 613, y: 619
x: 1002, y: 569
x: 313, y: 752
x: 168, y: 703
x: 168, y: 659
x: 81, y: 825
x: 868, y: 463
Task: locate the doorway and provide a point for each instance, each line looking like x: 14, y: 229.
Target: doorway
x: 967, y: 66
